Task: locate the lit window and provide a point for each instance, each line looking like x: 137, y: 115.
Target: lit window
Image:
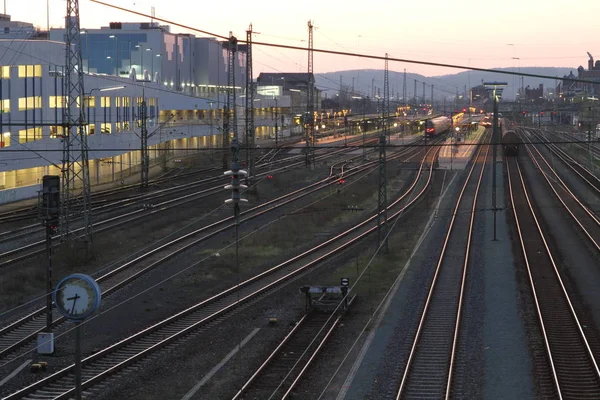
x: 118, y: 126
x: 106, y: 128
x: 4, y: 106
x: 5, y: 72
x: 105, y: 101
x: 30, y: 71
x: 126, y: 102
x: 30, y: 103
x: 57, y: 101
x: 5, y: 139
x: 29, y: 135
x: 91, y: 128
x: 57, y: 131
x: 117, y: 102
x: 90, y: 101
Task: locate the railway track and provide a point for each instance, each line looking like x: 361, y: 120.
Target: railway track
x: 129, y: 351
x: 283, y: 369
x: 585, y: 218
x: 25, y: 329
x: 16, y: 255
x: 429, y: 367
x: 573, y: 369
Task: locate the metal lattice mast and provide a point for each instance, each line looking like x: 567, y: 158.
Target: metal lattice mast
x: 310, y: 105
x: 250, y: 160
x: 75, y: 170
x: 424, y: 98
x: 404, y: 89
x: 145, y: 158
x: 382, y: 204
x: 229, y: 110
x: 432, y: 95
x: 415, y: 94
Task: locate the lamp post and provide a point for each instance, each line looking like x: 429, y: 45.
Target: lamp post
x: 110, y: 66
x: 152, y: 59
x: 89, y: 95
x: 496, y: 89
x: 87, y: 48
x: 364, y: 129
x: 116, y: 53
x: 137, y: 46
x: 160, y: 66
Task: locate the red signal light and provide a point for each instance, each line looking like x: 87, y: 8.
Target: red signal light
x: 269, y: 176
x: 464, y: 110
x: 341, y: 181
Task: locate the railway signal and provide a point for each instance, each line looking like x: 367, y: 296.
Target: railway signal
x: 51, y: 217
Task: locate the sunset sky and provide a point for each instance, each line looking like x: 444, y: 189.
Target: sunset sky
x: 482, y: 34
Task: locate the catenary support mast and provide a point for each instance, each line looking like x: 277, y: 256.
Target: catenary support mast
x: 76, y: 197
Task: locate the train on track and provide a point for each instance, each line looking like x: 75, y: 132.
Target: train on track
x: 437, y: 126
x: 510, y: 142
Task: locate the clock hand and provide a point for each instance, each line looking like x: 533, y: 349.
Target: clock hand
x: 74, y: 298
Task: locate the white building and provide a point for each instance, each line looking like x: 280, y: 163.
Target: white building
x: 31, y: 101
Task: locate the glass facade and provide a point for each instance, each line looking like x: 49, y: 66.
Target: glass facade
x: 120, y: 47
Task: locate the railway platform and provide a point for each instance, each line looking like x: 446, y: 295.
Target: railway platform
x: 457, y: 154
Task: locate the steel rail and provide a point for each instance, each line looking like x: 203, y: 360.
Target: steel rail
x: 230, y: 296
x: 37, y: 324
x: 404, y: 384
x: 569, y: 353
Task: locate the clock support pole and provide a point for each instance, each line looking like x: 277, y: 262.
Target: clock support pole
x: 78, y: 360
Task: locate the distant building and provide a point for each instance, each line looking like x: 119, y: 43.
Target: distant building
x: 479, y: 94
x: 150, y: 52
x: 534, y: 95
x: 19, y: 30
x: 292, y: 84
x: 569, y: 88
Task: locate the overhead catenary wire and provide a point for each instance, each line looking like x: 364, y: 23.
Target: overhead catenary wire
x: 194, y: 264
x: 340, y: 53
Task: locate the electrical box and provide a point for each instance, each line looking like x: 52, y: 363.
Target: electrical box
x: 45, y: 343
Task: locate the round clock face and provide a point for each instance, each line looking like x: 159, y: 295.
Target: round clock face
x: 77, y: 296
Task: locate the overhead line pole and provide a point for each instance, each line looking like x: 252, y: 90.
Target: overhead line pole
x: 250, y: 155
x: 76, y: 195
x: 310, y: 107
x: 382, y: 193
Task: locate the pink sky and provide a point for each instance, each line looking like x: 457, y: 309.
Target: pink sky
x: 541, y: 33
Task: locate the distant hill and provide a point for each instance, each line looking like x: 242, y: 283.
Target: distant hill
x: 444, y: 85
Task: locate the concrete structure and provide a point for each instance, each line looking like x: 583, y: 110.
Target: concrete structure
x: 149, y: 51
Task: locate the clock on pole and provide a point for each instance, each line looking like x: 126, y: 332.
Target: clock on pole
x: 77, y: 296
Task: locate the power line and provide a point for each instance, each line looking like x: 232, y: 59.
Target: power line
x: 343, y: 53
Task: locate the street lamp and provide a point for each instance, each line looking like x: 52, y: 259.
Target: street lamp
x: 110, y: 63
x: 151, y: 58
x: 137, y: 46
x: 160, y: 67
x: 89, y: 95
x: 116, y: 53
x: 496, y: 89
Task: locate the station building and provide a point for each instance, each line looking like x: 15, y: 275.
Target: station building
x: 182, y: 117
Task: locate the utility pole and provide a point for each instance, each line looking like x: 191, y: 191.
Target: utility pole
x: 404, y: 89
x: 496, y: 89
x: 229, y: 113
x: 276, y: 125
x: 76, y: 195
x: 415, y: 93
x: 432, y: 95
x: 144, y: 145
x: 50, y: 215
x: 310, y: 106
x: 424, y: 100
x: 249, y: 106
x: 382, y: 198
